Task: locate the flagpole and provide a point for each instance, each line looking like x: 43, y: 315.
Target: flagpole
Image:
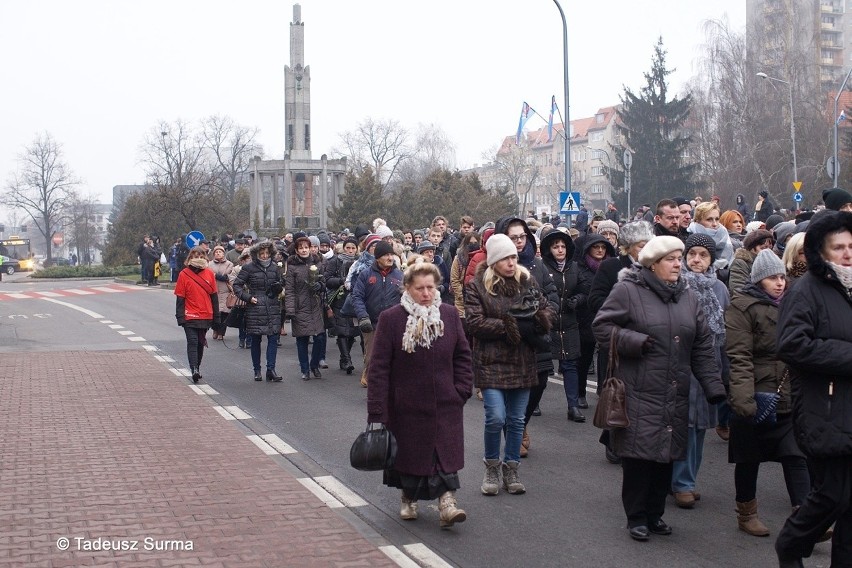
x: 566, y: 125
x: 836, y: 121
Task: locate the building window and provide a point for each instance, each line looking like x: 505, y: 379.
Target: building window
x: 597, y: 188
x: 597, y: 171
x: 599, y: 118
x: 596, y: 137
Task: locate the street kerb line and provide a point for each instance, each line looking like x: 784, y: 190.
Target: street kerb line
x: 424, y: 555
x: 398, y: 557
x: 340, y: 491
x: 265, y: 448
x: 89, y: 313
x: 323, y: 495
x: 283, y: 447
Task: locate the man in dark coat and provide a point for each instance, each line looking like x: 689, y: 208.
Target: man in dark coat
x: 815, y: 340
x: 764, y: 207
x: 667, y: 220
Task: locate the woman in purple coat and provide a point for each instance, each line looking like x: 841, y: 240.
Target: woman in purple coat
x: 419, y: 380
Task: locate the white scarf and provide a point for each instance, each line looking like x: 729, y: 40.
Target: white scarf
x: 844, y: 274
x: 424, y: 323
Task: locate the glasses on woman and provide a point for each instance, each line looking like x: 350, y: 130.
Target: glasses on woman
x: 517, y: 238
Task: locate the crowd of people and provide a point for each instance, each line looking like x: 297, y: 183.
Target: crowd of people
x: 704, y: 309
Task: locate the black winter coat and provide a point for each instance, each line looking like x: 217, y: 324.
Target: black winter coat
x: 303, y: 307
x: 263, y: 283
x: 565, y: 333
x: 585, y: 314
x: 605, y: 278
x: 815, y: 340
x: 335, y: 271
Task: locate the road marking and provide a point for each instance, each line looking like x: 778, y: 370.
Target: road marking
x: 164, y: 358
x: 184, y: 372
x: 79, y: 292
x: 323, y: 495
x: 150, y: 348
x: 398, y: 557
x: 224, y: 413
x: 238, y: 413
x: 49, y: 294
x: 116, y: 326
x: 425, y: 556
x: 279, y: 444
x: 176, y: 372
x: 106, y: 321
x: 340, y: 491
x: 95, y: 315
x: 591, y: 386
x: 125, y: 332
x: 19, y: 296
x: 136, y: 338
x: 206, y: 389
x: 129, y: 286
x: 260, y: 443
x: 107, y: 290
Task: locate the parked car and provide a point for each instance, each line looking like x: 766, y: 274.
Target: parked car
x: 56, y: 261
x: 9, y: 265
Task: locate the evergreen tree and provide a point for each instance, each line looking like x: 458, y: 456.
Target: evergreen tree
x: 653, y: 127
x: 360, y: 203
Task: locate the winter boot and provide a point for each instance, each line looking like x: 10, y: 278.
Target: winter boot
x: 450, y: 514
x: 491, y: 481
x: 748, y: 521
x: 196, y: 374
x: 407, y: 509
x: 525, y: 444
x: 511, y: 480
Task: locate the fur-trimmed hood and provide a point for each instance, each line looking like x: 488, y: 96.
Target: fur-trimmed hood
x: 551, y: 238
x: 643, y: 277
x: 256, y: 248
x: 818, y: 231
x: 502, y: 226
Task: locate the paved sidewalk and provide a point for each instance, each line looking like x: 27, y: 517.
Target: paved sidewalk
x: 109, y: 447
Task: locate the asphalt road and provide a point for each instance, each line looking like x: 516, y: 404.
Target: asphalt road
x: 571, y: 514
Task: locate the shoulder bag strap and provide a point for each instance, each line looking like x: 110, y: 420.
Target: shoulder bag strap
x: 613, y: 354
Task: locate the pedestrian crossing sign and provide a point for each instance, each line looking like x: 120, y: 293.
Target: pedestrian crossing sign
x: 569, y: 202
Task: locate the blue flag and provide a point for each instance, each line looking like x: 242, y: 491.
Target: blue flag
x: 550, y: 120
x: 525, y: 116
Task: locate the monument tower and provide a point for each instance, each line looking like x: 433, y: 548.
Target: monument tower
x: 296, y: 192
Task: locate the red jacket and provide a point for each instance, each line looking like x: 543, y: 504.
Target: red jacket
x: 197, y: 299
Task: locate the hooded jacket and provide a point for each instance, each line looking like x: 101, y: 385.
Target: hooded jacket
x: 565, y: 333
x: 661, y: 338
x: 585, y: 314
x: 743, y: 207
x: 263, y: 283
x: 302, y: 305
x: 815, y: 340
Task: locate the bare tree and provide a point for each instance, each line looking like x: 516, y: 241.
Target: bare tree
x: 41, y: 186
x: 81, y: 230
x: 233, y: 146
x: 517, y: 171
x: 433, y: 150
x: 380, y: 144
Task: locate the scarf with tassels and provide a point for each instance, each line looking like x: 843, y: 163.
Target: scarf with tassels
x: 424, y: 323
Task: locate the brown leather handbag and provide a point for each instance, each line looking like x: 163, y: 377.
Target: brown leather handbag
x: 611, y: 411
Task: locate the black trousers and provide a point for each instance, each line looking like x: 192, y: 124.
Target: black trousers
x: 587, y: 354
x: 536, y: 393
x: 830, y: 501
x: 195, y: 343
x: 644, y: 488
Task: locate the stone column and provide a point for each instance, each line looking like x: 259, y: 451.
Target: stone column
x: 323, y: 190
x: 288, y: 195
x: 273, y: 206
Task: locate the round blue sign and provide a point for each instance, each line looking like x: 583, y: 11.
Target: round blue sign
x: 194, y: 238
x: 797, y: 197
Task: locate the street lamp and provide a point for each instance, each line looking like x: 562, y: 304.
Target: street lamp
x: 792, y: 122
x: 836, y: 164
x: 567, y: 125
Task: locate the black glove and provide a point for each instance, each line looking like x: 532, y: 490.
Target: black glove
x: 647, y: 345
x: 365, y: 324
x: 274, y: 290
x: 526, y: 327
x: 222, y: 277
x: 317, y: 287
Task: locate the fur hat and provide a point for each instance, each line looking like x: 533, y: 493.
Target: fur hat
x: 657, y: 248
x: 700, y: 240
x: 498, y: 247
x: 835, y: 198
x: 382, y: 249
x: 754, y: 225
x: 370, y: 239
x: 608, y: 225
x: 384, y: 231
x: 763, y: 193
x: 766, y: 264
x: 218, y: 247
x: 756, y: 238
x: 635, y: 232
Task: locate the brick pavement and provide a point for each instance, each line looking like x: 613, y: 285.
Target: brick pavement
x: 111, y: 446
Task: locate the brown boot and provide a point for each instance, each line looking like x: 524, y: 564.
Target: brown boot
x: 525, y: 444
x: 748, y: 521
x: 450, y: 514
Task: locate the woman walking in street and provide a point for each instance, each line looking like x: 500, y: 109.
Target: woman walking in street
x: 344, y: 328
x: 304, y: 302
x: 259, y: 284
x: 196, y: 306
x: 662, y: 338
x: 504, y: 362
x: 420, y: 378
x: 221, y: 269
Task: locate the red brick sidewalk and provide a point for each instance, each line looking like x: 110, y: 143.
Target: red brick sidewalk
x: 111, y: 446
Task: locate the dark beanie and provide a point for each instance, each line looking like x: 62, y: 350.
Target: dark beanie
x: 681, y: 201
x: 699, y: 240
x: 756, y: 238
x: 361, y: 231
x: 835, y: 198
x: 773, y: 220
x: 382, y: 249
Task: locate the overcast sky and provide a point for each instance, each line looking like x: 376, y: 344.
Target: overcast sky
x: 98, y: 74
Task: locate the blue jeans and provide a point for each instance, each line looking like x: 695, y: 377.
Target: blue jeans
x: 322, y: 340
x: 570, y: 380
x: 723, y: 413
x: 316, y: 351
x: 684, y: 472
x: 504, y: 408
x: 271, y: 351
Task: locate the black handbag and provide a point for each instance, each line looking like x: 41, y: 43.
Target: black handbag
x: 236, y: 317
x: 767, y: 404
x: 373, y: 450
x: 524, y: 311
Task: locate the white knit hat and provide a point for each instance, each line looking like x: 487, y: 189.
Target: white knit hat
x: 657, y: 248
x: 384, y: 231
x: 498, y: 247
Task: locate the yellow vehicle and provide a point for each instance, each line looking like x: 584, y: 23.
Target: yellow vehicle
x: 15, y: 255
